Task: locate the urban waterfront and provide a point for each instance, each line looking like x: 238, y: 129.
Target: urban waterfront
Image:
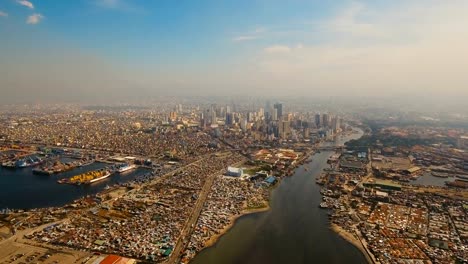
x: 21, y: 189
x: 294, y: 230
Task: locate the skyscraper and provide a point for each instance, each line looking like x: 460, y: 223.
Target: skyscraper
x: 279, y: 110
x: 326, y: 120
x: 318, y: 122
x: 229, y: 119
x: 214, y: 120
x: 274, y: 114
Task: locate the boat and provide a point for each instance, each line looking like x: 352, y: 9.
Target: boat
x: 125, y: 167
x: 440, y: 175
x: 107, y: 174
x: 43, y: 171
x: 87, y: 177
x: 85, y: 163
x: 29, y: 161
x: 323, y: 205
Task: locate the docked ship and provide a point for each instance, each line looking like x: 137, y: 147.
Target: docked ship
x: 440, y: 174
x: 121, y: 168
x: 26, y: 162
x: 323, y: 205
x: 55, y: 168
x: 87, y: 177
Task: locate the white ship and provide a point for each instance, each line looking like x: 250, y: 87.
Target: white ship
x: 107, y: 174
x: 125, y: 167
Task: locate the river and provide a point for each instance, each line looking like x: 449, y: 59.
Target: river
x: 294, y: 230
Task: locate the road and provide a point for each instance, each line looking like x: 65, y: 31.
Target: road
x: 189, y: 226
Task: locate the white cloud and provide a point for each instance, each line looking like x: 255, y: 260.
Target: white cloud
x: 34, y: 19
x: 25, y: 3
x: 244, y: 38
x: 348, y: 21
x: 3, y: 14
x: 255, y: 34
x: 417, y: 48
x: 277, y: 49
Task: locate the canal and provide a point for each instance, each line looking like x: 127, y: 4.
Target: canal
x: 294, y: 230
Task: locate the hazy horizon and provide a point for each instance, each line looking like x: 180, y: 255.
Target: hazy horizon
x: 113, y: 50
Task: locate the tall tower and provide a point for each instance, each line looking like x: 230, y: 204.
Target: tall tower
x: 279, y: 109
x: 317, y: 120
x: 213, y: 115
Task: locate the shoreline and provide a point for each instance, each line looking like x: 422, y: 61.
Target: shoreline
x: 352, y: 240
x: 232, y: 220
x: 301, y: 162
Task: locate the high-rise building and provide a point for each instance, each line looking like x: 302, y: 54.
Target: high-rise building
x: 326, y: 120
x: 229, y: 119
x: 202, y: 120
x: 172, y: 116
x: 318, y: 122
x: 261, y: 112
x: 250, y: 117
x: 274, y: 114
x: 178, y: 108
x: 284, y: 129
x: 279, y: 110
x: 213, y: 118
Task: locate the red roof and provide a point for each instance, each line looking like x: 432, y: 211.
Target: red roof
x: 111, y: 259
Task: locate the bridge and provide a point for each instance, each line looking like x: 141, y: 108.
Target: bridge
x: 330, y: 148
x: 341, y: 147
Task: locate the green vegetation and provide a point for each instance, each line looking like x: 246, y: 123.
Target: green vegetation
x: 396, y: 141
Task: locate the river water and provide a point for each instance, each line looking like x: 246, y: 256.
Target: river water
x: 294, y: 230
x: 21, y: 189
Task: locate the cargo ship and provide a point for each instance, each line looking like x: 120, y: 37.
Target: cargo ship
x: 121, y: 168
x: 30, y: 161
x: 87, y: 177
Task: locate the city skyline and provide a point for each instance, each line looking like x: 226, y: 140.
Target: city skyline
x: 115, y: 49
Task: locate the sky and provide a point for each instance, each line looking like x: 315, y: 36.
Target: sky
x: 116, y: 49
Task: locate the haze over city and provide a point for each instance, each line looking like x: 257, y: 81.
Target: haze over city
x: 233, y: 132
x: 117, y: 49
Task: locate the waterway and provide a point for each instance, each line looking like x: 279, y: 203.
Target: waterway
x: 21, y: 189
x: 429, y: 180
x: 295, y: 230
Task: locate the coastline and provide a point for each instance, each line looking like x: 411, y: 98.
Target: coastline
x: 352, y: 240
x: 213, y: 239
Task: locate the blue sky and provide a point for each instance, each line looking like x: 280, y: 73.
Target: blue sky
x: 308, y: 46
x: 185, y: 31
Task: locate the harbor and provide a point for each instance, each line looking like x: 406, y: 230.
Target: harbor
x: 44, y: 191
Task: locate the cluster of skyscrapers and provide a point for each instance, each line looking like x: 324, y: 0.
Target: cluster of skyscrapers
x: 270, y: 122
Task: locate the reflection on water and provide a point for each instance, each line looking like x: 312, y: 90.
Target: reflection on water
x: 21, y: 189
x: 295, y: 230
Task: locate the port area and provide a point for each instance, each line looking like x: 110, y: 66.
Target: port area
x: 373, y: 203
x: 57, y: 162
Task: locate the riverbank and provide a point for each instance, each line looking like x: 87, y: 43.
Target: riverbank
x: 352, y: 239
x: 232, y: 220
x: 236, y: 246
